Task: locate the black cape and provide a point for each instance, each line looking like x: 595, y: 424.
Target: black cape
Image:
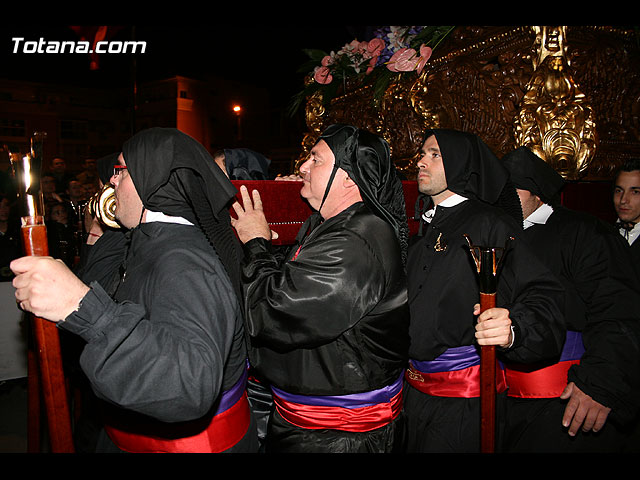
x: 603, y: 295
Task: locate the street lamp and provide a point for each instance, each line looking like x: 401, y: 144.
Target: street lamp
x: 237, y: 109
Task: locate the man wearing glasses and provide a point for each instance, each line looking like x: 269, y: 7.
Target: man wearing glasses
x: 164, y: 345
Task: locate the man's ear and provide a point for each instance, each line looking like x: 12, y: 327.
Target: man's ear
x: 348, y: 182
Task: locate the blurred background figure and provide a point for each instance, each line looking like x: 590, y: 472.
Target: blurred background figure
x: 58, y: 170
x: 61, y: 234
x: 243, y: 164
x: 89, y: 173
x: 49, y: 194
x: 9, y: 238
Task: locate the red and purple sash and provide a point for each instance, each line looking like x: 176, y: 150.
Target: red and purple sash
x: 529, y: 381
x: 455, y: 373
x: 227, y: 427
x: 357, y: 412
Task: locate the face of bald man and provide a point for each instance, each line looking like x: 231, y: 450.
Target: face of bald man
x: 316, y: 172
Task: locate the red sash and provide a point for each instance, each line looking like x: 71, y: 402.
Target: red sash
x: 547, y: 382
x: 531, y: 381
x: 351, y: 413
x: 224, y: 431
x: 454, y: 373
x: 463, y: 383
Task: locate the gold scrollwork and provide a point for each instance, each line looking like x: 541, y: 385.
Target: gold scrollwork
x: 555, y: 120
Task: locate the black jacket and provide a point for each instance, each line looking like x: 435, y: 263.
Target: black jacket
x: 334, y: 320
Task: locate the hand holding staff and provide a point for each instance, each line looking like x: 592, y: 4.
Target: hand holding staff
x: 488, y: 261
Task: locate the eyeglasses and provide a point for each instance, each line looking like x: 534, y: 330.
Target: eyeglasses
x: 117, y: 169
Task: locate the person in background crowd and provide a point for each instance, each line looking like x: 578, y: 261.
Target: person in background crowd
x: 89, y: 173
x: 243, y: 164
x: 90, y: 189
x: 58, y: 170
x: 49, y: 194
x: 61, y: 234
x: 76, y: 199
x: 9, y: 238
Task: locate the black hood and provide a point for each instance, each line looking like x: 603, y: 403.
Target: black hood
x: 529, y: 172
x: 366, y: 159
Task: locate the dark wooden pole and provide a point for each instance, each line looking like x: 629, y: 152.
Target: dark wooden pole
x: 487, y: 386
x: 487, y: 260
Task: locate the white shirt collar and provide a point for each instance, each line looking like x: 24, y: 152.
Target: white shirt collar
x: 161, y: 217
x: 631, y: 235
x: 451, y: 201
x: 539, y: 216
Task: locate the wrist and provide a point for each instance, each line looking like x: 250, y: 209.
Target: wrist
x: 78, y: 302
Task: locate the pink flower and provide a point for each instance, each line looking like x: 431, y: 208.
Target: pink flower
x: 408, y: 60
x: 322, y: 75
x: 327, y: 60
x: 351, y: 48
x: 376, y: 46
x: 404, y: 60
x: 425, y: 55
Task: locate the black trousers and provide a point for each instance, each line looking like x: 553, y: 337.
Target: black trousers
x: 446, y: 424
x: 283, y: 437
x: 535, y: 426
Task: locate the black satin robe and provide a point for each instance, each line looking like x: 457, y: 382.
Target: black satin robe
x: 334, y: 321
x: 171, y: 341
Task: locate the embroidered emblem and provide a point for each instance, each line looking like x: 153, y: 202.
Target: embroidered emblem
x: 440, y: 245
x: 414, y: 375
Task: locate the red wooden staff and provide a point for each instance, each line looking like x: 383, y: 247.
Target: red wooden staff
x: 47, y: 340
x: 487, y: 260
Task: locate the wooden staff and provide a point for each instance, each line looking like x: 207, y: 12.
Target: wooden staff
x: 487, y: 260
x: 47, y: 340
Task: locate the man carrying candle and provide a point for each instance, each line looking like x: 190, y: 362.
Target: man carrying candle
x: 165, y: 347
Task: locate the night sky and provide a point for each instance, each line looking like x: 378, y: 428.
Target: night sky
x: 267, y: 56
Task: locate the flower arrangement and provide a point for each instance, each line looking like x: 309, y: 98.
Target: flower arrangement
x: 392, y: 50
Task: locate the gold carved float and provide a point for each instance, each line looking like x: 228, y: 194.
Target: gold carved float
x: 571, y: 94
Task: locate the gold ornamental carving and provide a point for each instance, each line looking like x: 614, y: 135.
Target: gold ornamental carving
x: 555, y: 121
x: 512, y: 86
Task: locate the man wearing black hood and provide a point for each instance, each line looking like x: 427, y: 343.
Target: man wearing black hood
x: 243, y: 164
x: 463, y: 181
x: 328, y: 323
x: 579, y: 401
x: 165, y: 346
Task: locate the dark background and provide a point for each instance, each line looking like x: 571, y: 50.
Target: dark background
x: 267, y: 55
